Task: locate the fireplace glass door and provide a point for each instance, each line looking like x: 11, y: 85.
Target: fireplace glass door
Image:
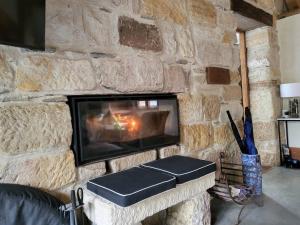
x: 110, y: 126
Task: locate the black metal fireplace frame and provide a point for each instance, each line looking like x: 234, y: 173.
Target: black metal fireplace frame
x: 77, y: 146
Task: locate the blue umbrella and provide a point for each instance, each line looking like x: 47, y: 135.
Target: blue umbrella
x: 248, y: 132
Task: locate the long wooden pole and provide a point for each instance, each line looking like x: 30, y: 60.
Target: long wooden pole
x: 244, y: 70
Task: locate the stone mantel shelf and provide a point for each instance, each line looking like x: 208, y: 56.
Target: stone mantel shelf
x: 103, y: 212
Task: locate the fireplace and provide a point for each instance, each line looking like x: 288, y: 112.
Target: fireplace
x: 107, y: 127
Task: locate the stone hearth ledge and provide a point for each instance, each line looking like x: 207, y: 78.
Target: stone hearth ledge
x: 103, y: 212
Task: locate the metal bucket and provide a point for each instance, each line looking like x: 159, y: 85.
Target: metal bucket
x: 252, y: 172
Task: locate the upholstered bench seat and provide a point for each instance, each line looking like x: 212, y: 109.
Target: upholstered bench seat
x: 130, y: 186
x: 181, y: 167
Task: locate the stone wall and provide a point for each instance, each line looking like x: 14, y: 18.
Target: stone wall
x: 117, y: 46
x: 264, y: 78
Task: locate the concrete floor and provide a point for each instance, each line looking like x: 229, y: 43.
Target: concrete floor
x: 281, y: 189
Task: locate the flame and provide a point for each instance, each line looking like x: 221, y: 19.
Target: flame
x: 130, y: 123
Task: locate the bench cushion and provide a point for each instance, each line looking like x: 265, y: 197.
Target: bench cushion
x: 130, y: 186
x: 182, y: 167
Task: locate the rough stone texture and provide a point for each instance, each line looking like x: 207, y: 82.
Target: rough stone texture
x: 235, y: 109
x: 103, y: 212
x: 135, y: 74
x: 169, y: 151
x: 34, y: 127
x: 41, y: 73
x: 196, y: 137
x: 197, y: 80
x: 157, y: 219
x: 261, y: 36
x: 60, y: 27
x: 264, y: 56
x: 3, y: 165
x: 203, y: 12
x: 90, y: 30
x: 211, y: 107
x: 195, y: 212
x: 6, y: 74
x: 263, y: 74
x: 232, y: 93
x: 127, y: 162
x: 49, y: 171
x: 270, y: 158
x: 91, y: 171
x: 265, y: 104
x: 98, y: 30
x: 214, y: 53
x: 139, y: 35
x: 235, y: 77
x: 223, y: 134
x: 265, y: 130
x: 190, y: 108
x: 229, y: 37
x: 171, y: 10
x: 227, y: 21
x: 175, y: 79
x: 185, y: 45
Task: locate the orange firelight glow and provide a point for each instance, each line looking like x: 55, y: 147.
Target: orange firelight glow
x: 130, y: 123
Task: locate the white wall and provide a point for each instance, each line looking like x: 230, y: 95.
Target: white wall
x: 289, y: 42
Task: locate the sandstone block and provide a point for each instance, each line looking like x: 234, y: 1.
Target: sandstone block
x: 6, y: 74
x: 131, y: 161
x: 98, y: 29
x: 264, y: 56
x: 226, y: 20
x: 168, y: 33
x: 59, y: 24
x: 139, y: 35
x: 40, y: 73
x: 170, y: 10
x: 265, y: 131
x: 3, y: 165
x: 235, y: 109
x: 229, y: 37
x: 265, y: 104
x: 49, y: 171
x: 190, y: 109
x: 169, y: 151
x: 184, y: 40
x: 31, y: 127
x: 103, y: 212
x: 196, y: 137
x: 269, y: 159
x: 214, y: 53
x: 223, y: 4
x: 235, y: 77
x: 91, y: 171
x: 261, y: 36
x: 193, y: 212
x: 211, y: 107
x: 203, y: 12
x: 232, y: 93
x: 263, y: 74
x: 174, y: 79
x: 197, y: 80
x: 223, y: 135
x: 135, y: 74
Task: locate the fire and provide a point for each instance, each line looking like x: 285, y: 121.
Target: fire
x: 130, y: 123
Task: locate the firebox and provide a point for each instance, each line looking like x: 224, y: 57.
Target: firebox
x: 109, y: 126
